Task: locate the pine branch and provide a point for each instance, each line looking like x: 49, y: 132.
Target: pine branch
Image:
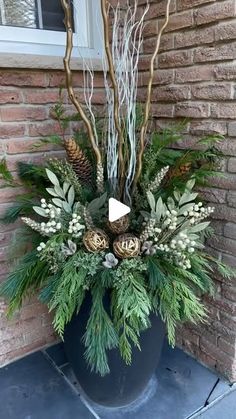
x: 26, y: 278
x: 100, y: 334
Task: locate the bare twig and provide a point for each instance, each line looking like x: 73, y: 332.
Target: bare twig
x: 67, y: 59
x: 148, y: 100
x: 115, y: 90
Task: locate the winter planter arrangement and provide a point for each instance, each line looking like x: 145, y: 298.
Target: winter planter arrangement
x: 114, y: 288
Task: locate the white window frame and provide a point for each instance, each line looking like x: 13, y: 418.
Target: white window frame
x: 27, y: 47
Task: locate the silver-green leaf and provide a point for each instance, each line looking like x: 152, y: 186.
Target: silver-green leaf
x: 52, y: 177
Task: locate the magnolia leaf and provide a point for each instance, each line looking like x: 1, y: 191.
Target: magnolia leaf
x: 51, y: 191
x: 52, y: 177
x: 71, y: 196
x: 177, y: 195
x: 187, y: 197
x: 40, y: 211
x: 199, y: 227
x: 145, y: 214
x: 66, y: 186
x: 185, y: 208
x: 159, y: 209
x: 190, y: 184
x: 95, y: 205
x: 151, y: 200
x: 57, y: 202
x: 59, y: 192
x: 66, y: 207
x: 170, y: 203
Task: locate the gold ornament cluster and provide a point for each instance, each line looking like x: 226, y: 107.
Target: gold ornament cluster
x: 96, y: 240
x: 124, y: 246
x: 120, y: 226
x: 127, y: 246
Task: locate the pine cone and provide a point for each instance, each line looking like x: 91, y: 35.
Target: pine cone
x: 79, y: 161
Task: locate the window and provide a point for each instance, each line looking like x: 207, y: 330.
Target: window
x: 35, y: 27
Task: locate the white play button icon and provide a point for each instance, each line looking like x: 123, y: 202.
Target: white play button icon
x: 117, y: 210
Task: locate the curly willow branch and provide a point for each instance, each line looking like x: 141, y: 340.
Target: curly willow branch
x: 148, y: 100
x: 69, y: 46
x: 115, y: 89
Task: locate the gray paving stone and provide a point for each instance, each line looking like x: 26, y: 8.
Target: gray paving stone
x: 180, y: 387
x: 57, y: 354
x: 221, y: 388
x: 32, y: 389
x: 223, y: 409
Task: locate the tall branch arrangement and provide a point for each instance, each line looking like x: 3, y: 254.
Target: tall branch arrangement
x: 122, y: 51
x: 150, y: 261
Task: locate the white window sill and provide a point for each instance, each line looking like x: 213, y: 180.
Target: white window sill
x: 46, y: 62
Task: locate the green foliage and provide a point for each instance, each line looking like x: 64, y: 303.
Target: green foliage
x: 5, y: 174
x: 100, y: 334
x: 69, y: 294
x: 167, y: 278
x: 29, y: 274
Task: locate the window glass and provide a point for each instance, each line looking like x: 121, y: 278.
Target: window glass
x: 37, y: 14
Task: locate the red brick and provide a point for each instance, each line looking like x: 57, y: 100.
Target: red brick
x: 11, y: 130
x: 171, y: 93
x: 5, y: 238
x: 21, y: 351
x: 232, y: 165
x: 212, y: 91
x: 175, y: 59
x: 45, y: 129
x: 215, y: 53
x: 162, y: 110
x: 9, y: 96
x: 41, y: 96
x: 230, y: 230
x: 229, y: 260
x: 211, y: 350
x: 160, y: 77
x: 28, y: 146
x: 231, y: 199
x: 232, y: 129
x: 159, y: 10
x: 180, y: 21
x: 208, y: 127
x: 213, y: 195
x: 193, y: 74
x: 167, y: 43
x: 194, y: 37
x: 23, y: 113
x: 225, y: 72
x: 192, y: 110
x: 228, y: 146
x: 224, y: 110
x: 226, y: 31
x: 207, y: 360
x: 226, y: 347
x: 151, y: 28
x: 223, y: 243
x: 215, y: 12
x: 223, y: 212
x: 23, y: 78
x: 187, y: 4
x: 8, y: 194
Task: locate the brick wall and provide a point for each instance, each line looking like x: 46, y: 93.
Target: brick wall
x: 194, y: 78
x: 26, y: 98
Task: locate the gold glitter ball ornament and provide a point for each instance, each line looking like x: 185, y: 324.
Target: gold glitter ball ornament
x: 127, y: 246
x: 119, y: 226
x: 96, y: 240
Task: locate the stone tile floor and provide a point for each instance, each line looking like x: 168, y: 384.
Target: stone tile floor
x: 43, y: 386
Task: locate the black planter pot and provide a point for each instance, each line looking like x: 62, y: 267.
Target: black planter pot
x: 125, y: 383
